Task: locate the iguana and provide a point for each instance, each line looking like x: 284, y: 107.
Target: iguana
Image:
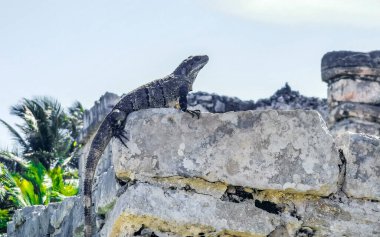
x: 165, y: 92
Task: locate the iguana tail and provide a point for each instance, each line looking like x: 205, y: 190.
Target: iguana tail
x: 98, y: 145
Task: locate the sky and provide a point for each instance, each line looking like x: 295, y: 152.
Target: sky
x: 77, y: 50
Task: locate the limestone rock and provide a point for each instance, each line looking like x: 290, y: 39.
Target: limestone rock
x: 355, y: 65
x: 27, y: 221
x: 283, y: 99
x: 280, y: 150
x: 56, y: 219
x: 217, y: 104
x: 356, y: 126
x: 365, y: 112
x: 336, y: 218
x: 362, y: 153
x: 287, y: 99
x: 93, y: 117
x: 105, y: 190
x: 105, y: 162
x: 359, y: 91
x: 183, y: 213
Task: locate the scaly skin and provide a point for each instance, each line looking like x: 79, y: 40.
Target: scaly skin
x: 161, y: 93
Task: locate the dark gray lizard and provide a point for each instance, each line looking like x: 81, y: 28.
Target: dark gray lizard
x: 165, y: 92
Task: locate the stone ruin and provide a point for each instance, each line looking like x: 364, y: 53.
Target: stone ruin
x: 247, y: 169
x: 353, y: 91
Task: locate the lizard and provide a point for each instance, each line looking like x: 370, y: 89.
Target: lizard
x: 167, y: 92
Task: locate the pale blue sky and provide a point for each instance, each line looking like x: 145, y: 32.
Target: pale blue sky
x: 78, y: 50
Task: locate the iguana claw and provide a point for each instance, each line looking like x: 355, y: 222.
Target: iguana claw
x: 196, y: 112
x: 122, y: 136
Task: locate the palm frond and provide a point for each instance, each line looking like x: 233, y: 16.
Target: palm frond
x: 16, y: 136
x: 13, y: 162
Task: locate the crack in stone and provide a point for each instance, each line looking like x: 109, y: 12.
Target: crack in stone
x: 238, y: 194
x: 342, y: 169
x: 124, y: 187
x: 294, y: 212
x: 268, y: 206
x: 340, y: 196
x: 145, y: 232
x: 305, y: 231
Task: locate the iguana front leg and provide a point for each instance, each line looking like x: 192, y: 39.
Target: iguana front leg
x: 119, y: 118
x: 183, y: 91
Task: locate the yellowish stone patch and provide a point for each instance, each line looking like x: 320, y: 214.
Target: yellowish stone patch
x: 128, y: 224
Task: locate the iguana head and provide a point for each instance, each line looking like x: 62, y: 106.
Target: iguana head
x: 190, y: 67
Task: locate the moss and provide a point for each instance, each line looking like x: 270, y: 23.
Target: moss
x: 194, y: 183
x: 198, y: 184
x: 284, y: 196
x: 128, y: 224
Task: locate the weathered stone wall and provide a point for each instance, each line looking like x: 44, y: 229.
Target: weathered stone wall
x: 353, y: 80
x: 252, y: 173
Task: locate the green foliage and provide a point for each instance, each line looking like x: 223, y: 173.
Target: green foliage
x: 4, y: 218
x: 35, y: 186
x: 59, y: 185
x: 10, y: 194
x: 43, y: 167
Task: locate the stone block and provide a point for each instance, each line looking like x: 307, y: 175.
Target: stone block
x: 355, y: 65
x: 27, y: 222
x: 290, y: 151
x: 55, y: 219
x: 365, y: 112
x: 181, y: 213
x: 329, y: 217
x: 105, y: 190
x: 355, y: 126
x: 362, y: 153
x: 359, y: 91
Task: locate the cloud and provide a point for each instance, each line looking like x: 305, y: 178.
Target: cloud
x: 360, y: 13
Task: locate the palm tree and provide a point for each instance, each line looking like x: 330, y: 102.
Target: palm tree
x: 48, y: 134
x: 34, y: 172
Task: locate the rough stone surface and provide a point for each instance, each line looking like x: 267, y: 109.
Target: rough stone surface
x: 214, y: 103
x: 185, y: 214
x: 280, y: 150
x: 353, y: 91
x: 362, y: 153
x: 283, y: 99
x: 94, y: 116
x: 103, y: 166
x: 356, y: 126
x: 347, y: 64
x: 105, y: 190
x: 337, y: 218
x: 57, y: 219
x: 365, y: 112
x: 178, y: 193
x: 359, y: 91
x: 288, y: 99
